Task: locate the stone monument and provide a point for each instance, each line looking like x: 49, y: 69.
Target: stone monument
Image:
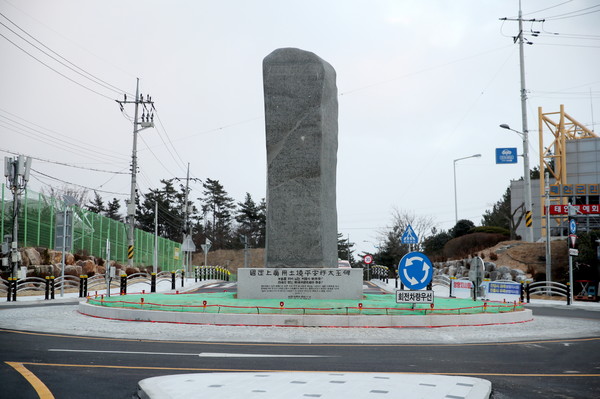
x: 301, y: 113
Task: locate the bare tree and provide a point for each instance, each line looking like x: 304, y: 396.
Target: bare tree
x: 80, y: 194
x: 391, y: 249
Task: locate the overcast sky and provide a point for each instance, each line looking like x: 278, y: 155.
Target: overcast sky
x: 421, y: 83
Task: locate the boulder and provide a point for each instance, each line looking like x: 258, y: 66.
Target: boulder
x: 452, y: 271
x: 31, y: 257
x: 41, y: 271
x: 131, y: 270
x: 506, y: 276
x: 88, y: 267
x: 56, y: 257
x: 489, y: 266
x: 72, y: 270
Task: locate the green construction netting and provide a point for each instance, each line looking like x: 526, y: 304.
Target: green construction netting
x: 226, y: 302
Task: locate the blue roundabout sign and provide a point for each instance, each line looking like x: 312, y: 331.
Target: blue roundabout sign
x: 415, y: 270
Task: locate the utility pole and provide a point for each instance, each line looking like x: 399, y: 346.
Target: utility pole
x: 16, y: 171
x: 147, y: 121
x: 525, y: 131
x: 188, y: 247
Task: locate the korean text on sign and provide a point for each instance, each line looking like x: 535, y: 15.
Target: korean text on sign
x: 408, y: 296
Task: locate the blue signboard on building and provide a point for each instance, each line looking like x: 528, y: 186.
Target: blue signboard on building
x: 506, y: 155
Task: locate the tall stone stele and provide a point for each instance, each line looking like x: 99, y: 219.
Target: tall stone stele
x: 301, y: 113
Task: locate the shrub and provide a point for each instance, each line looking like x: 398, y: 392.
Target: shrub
x: 463, y: 246
x: 490, y: 229
x: 493, y: 256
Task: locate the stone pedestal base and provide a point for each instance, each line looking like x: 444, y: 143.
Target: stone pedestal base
x: 299, y: 283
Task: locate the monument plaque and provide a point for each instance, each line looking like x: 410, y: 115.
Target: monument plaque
x: 299, y: 283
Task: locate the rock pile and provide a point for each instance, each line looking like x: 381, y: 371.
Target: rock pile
x: 42, y: 262
x: 461, y: 268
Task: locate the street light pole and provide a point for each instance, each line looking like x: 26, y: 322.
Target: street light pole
x: 455, y: 195
x: 526, y: 180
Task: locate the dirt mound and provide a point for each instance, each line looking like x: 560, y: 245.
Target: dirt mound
x: 527, y: 256
x: 231, y: 259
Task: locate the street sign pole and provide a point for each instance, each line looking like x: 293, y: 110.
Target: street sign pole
x: 573, y: 231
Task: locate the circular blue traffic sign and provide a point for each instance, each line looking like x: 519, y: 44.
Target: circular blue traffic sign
x: 573, y: 226
x: 415, y: 270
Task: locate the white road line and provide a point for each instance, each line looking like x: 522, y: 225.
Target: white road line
x: 202, y: 354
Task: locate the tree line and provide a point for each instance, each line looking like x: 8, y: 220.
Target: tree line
x: 216, y: 216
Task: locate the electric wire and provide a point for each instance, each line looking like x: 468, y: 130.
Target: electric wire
x: 168, y: 138
x: 420, y: 71
x: 73, y: 184
x: 66, y: 164
x: 49, y: 139
x: 548, y: 8
x: 155, y: 157
x: 570, y: 14
x: 58, y: 72
x: 66, y: 38
x: 73, y: 67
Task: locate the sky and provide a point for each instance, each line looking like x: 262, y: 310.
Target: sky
x: 420, y: 84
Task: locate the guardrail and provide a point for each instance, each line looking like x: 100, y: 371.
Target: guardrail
x: 548, y: 288
x: 211, y: 273
x: 48, y: 286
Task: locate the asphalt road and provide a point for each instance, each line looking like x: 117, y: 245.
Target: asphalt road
x: 80, y: 367
x: 63, y: 366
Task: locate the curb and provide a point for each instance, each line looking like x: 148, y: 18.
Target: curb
x: 282, y: 320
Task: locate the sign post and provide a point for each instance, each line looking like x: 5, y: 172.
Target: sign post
x: 572, y: 239
x: 368, y: 259
x: 205, y: 248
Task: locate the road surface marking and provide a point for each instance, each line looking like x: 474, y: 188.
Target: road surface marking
x: 41, y: 389
x: 202, y: 354
x: 305, y: 371
x: 278, y: 344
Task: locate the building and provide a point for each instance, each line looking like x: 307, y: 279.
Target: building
x: 581, y: 189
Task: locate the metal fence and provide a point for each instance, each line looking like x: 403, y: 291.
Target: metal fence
x: 90, y: 231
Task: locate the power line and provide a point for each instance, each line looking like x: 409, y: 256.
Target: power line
x: 548, y: 8
x: 66, y: 38
x: 66, y: 164
x: 168, y: 138
x: 73, y: 184
x: 570, y: 14
x: 49, y: 67
x: 421, y: 71
x: 155, y: 157
x: 43, y: 136
x: 85, y: 74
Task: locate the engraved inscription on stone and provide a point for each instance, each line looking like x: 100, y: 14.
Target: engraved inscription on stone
x: 301, y: 131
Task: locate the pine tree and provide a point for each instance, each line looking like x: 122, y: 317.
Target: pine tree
x: 218, y: 206
x: 112, y: 210
x: 96, y: 205
x: 248, y: 218
x: 170, y: 211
